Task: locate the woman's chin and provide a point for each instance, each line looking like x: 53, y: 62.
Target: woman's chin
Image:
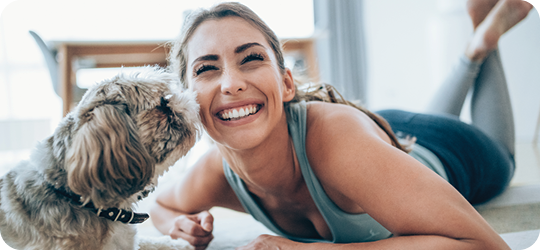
x: 241, y: 140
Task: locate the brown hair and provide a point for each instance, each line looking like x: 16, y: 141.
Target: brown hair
x: 321, y: 92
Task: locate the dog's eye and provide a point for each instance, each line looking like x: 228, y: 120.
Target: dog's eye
x: 203, y: 68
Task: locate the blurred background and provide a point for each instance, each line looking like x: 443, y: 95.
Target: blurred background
x: 388, y: 54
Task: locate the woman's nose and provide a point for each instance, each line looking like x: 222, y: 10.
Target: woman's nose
x: 232, y: 84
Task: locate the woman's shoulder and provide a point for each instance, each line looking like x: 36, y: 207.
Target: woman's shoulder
x: 323, y: 116
x: 333, y: 128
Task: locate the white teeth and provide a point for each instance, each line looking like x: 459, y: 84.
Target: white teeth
x: 231, y: 114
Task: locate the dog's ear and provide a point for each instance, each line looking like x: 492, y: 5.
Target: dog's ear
x: 107, y: 160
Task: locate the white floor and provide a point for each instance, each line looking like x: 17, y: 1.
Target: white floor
x: 529, y: 240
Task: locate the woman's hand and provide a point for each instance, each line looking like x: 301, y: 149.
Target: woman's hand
x: 267, y: 242
x: 194, y: 228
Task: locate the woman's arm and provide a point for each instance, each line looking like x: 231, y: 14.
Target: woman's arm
x: 182, y: 210
x: 351, y: 156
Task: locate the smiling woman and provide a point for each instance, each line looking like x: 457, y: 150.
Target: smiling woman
x: 318, y: 172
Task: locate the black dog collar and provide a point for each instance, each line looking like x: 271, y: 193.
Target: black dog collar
x: 124, y: 216
x: 114, y: 214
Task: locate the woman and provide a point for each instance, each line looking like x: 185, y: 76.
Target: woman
x: 321, y: 173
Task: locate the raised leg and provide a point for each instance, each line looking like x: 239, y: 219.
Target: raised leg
x: 491, y: 108
x: 481, y: 69
x: 451, y: 95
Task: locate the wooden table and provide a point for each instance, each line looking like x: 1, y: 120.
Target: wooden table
x: 110, y: 54
x: 102, y: 54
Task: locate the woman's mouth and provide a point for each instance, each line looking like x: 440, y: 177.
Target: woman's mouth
x: 238, y: 112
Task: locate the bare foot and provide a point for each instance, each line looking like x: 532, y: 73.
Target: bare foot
x: 504, y: 15
x: 479, y: 9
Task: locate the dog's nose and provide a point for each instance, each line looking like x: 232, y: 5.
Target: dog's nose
x: 165, y: 100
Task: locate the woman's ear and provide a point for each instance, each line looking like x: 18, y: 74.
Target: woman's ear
x: 289, y: 89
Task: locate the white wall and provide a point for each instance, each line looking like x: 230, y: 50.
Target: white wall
x: 412, y: 45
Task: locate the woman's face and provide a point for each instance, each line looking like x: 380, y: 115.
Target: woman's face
x: 239, y: 86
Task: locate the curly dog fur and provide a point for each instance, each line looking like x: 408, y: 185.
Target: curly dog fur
x: 110, y: 151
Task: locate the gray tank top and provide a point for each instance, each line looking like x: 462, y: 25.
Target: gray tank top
x: 345, y: 227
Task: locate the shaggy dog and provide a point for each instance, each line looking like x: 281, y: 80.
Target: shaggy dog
x: 79, y: 187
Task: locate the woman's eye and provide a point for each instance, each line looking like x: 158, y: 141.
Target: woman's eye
x: 252, y: 57
x: 205, y: 68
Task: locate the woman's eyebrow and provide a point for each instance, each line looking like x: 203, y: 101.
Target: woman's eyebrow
x: 210, y: 57
x: 243, y: 47
x: 213, y: 57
